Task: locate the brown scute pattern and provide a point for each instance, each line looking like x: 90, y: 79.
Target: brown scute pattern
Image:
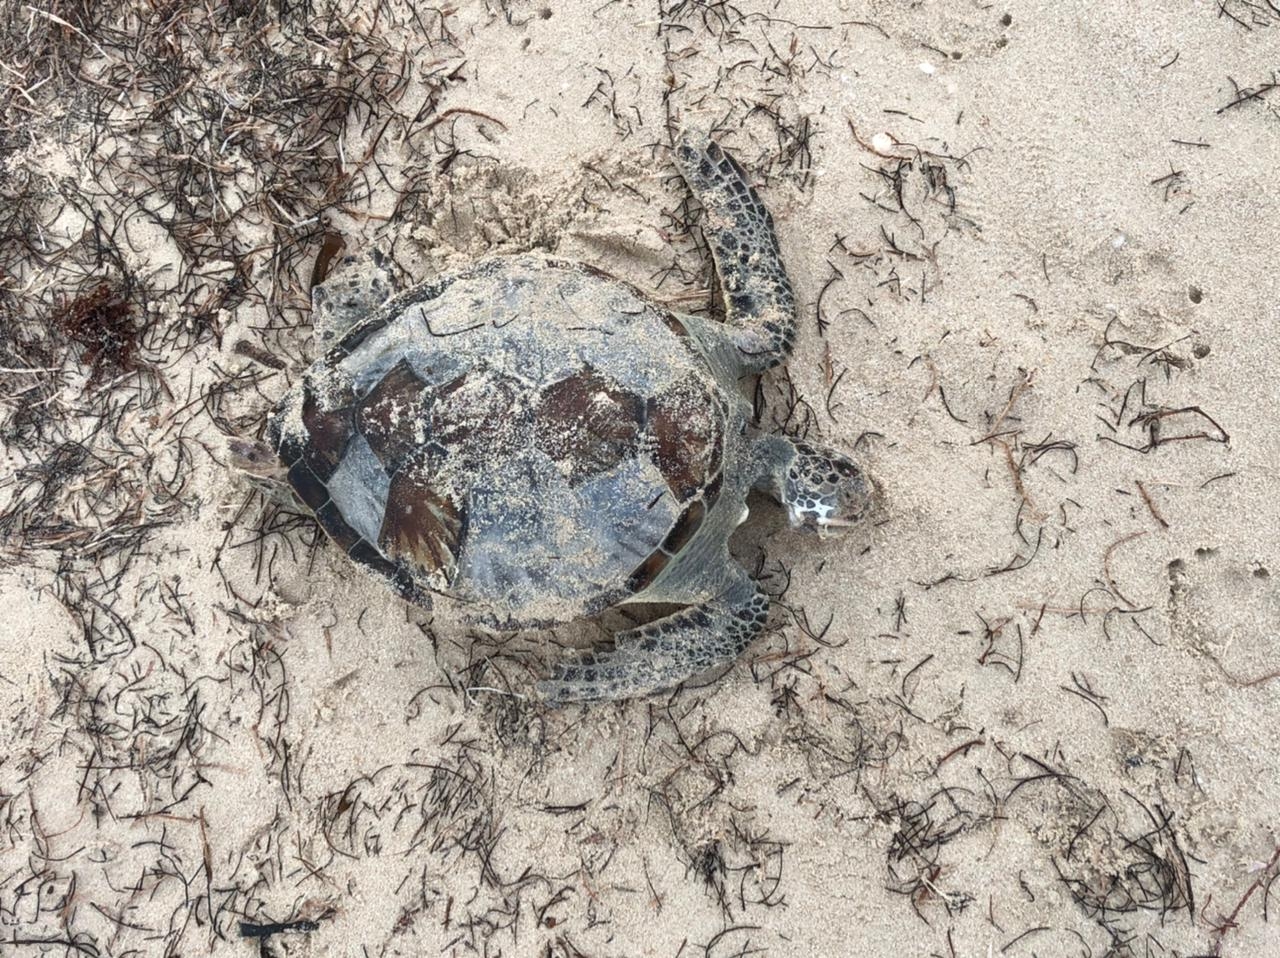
x: 685, y: 527
x: 672, y: 322
x: 587, y: 424
x: 423, y: 528
x: 328, y: 432
x: 391, y: 417
x: 717, y: 462
x: 473, y: 405
x: 687, y: 433
x: 308, y: 485
x: 647, y: 571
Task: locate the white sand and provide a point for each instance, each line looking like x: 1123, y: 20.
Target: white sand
x: 287, y: 742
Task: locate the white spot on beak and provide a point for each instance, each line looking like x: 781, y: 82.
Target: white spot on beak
x: 745, y: 512
x: 818, y: 515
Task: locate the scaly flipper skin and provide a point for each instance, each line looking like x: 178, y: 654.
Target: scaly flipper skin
x: 759, y: 304
x: 664, y: 653
x: 361, y: 285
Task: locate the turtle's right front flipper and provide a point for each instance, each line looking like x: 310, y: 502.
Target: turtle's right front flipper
x: 664, y: 653
x: 759, y: 304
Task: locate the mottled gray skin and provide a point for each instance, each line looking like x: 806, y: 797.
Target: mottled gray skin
x: 539, y: 441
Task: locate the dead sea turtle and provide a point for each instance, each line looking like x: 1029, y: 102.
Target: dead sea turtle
x: 539, y: 440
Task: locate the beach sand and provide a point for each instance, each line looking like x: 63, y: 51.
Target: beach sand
x: 1030, y: 708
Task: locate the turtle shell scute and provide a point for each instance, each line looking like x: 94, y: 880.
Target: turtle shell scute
x: 685, y: 527
x: 331, y: 518
x: 473, y: 411
x: 322, y: 442
x: 310, y: 489
x: 686, y: 430
x: 392, y: 417
x: 647, y: 571
x: 587, y: 424
x: 423, y: 526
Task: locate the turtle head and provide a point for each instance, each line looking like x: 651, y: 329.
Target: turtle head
x: 255, y: 459
x: 260, y: 464
x: 824, y: 490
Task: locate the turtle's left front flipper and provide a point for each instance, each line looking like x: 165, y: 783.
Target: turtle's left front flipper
x: 758, y: 301
x: 664, y: 653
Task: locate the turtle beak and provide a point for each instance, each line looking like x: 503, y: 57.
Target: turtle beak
x: 825, y: 528
x: 832, y: 527
x: 807, y: 521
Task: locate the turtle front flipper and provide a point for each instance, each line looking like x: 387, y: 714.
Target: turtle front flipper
x: 664, y: 653
x: 759, y: 304
x: 360, y: 285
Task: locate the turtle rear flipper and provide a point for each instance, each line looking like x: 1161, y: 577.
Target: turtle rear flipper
x: 758, y: 301
x: 360, y: 285
x: 664, y: 653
